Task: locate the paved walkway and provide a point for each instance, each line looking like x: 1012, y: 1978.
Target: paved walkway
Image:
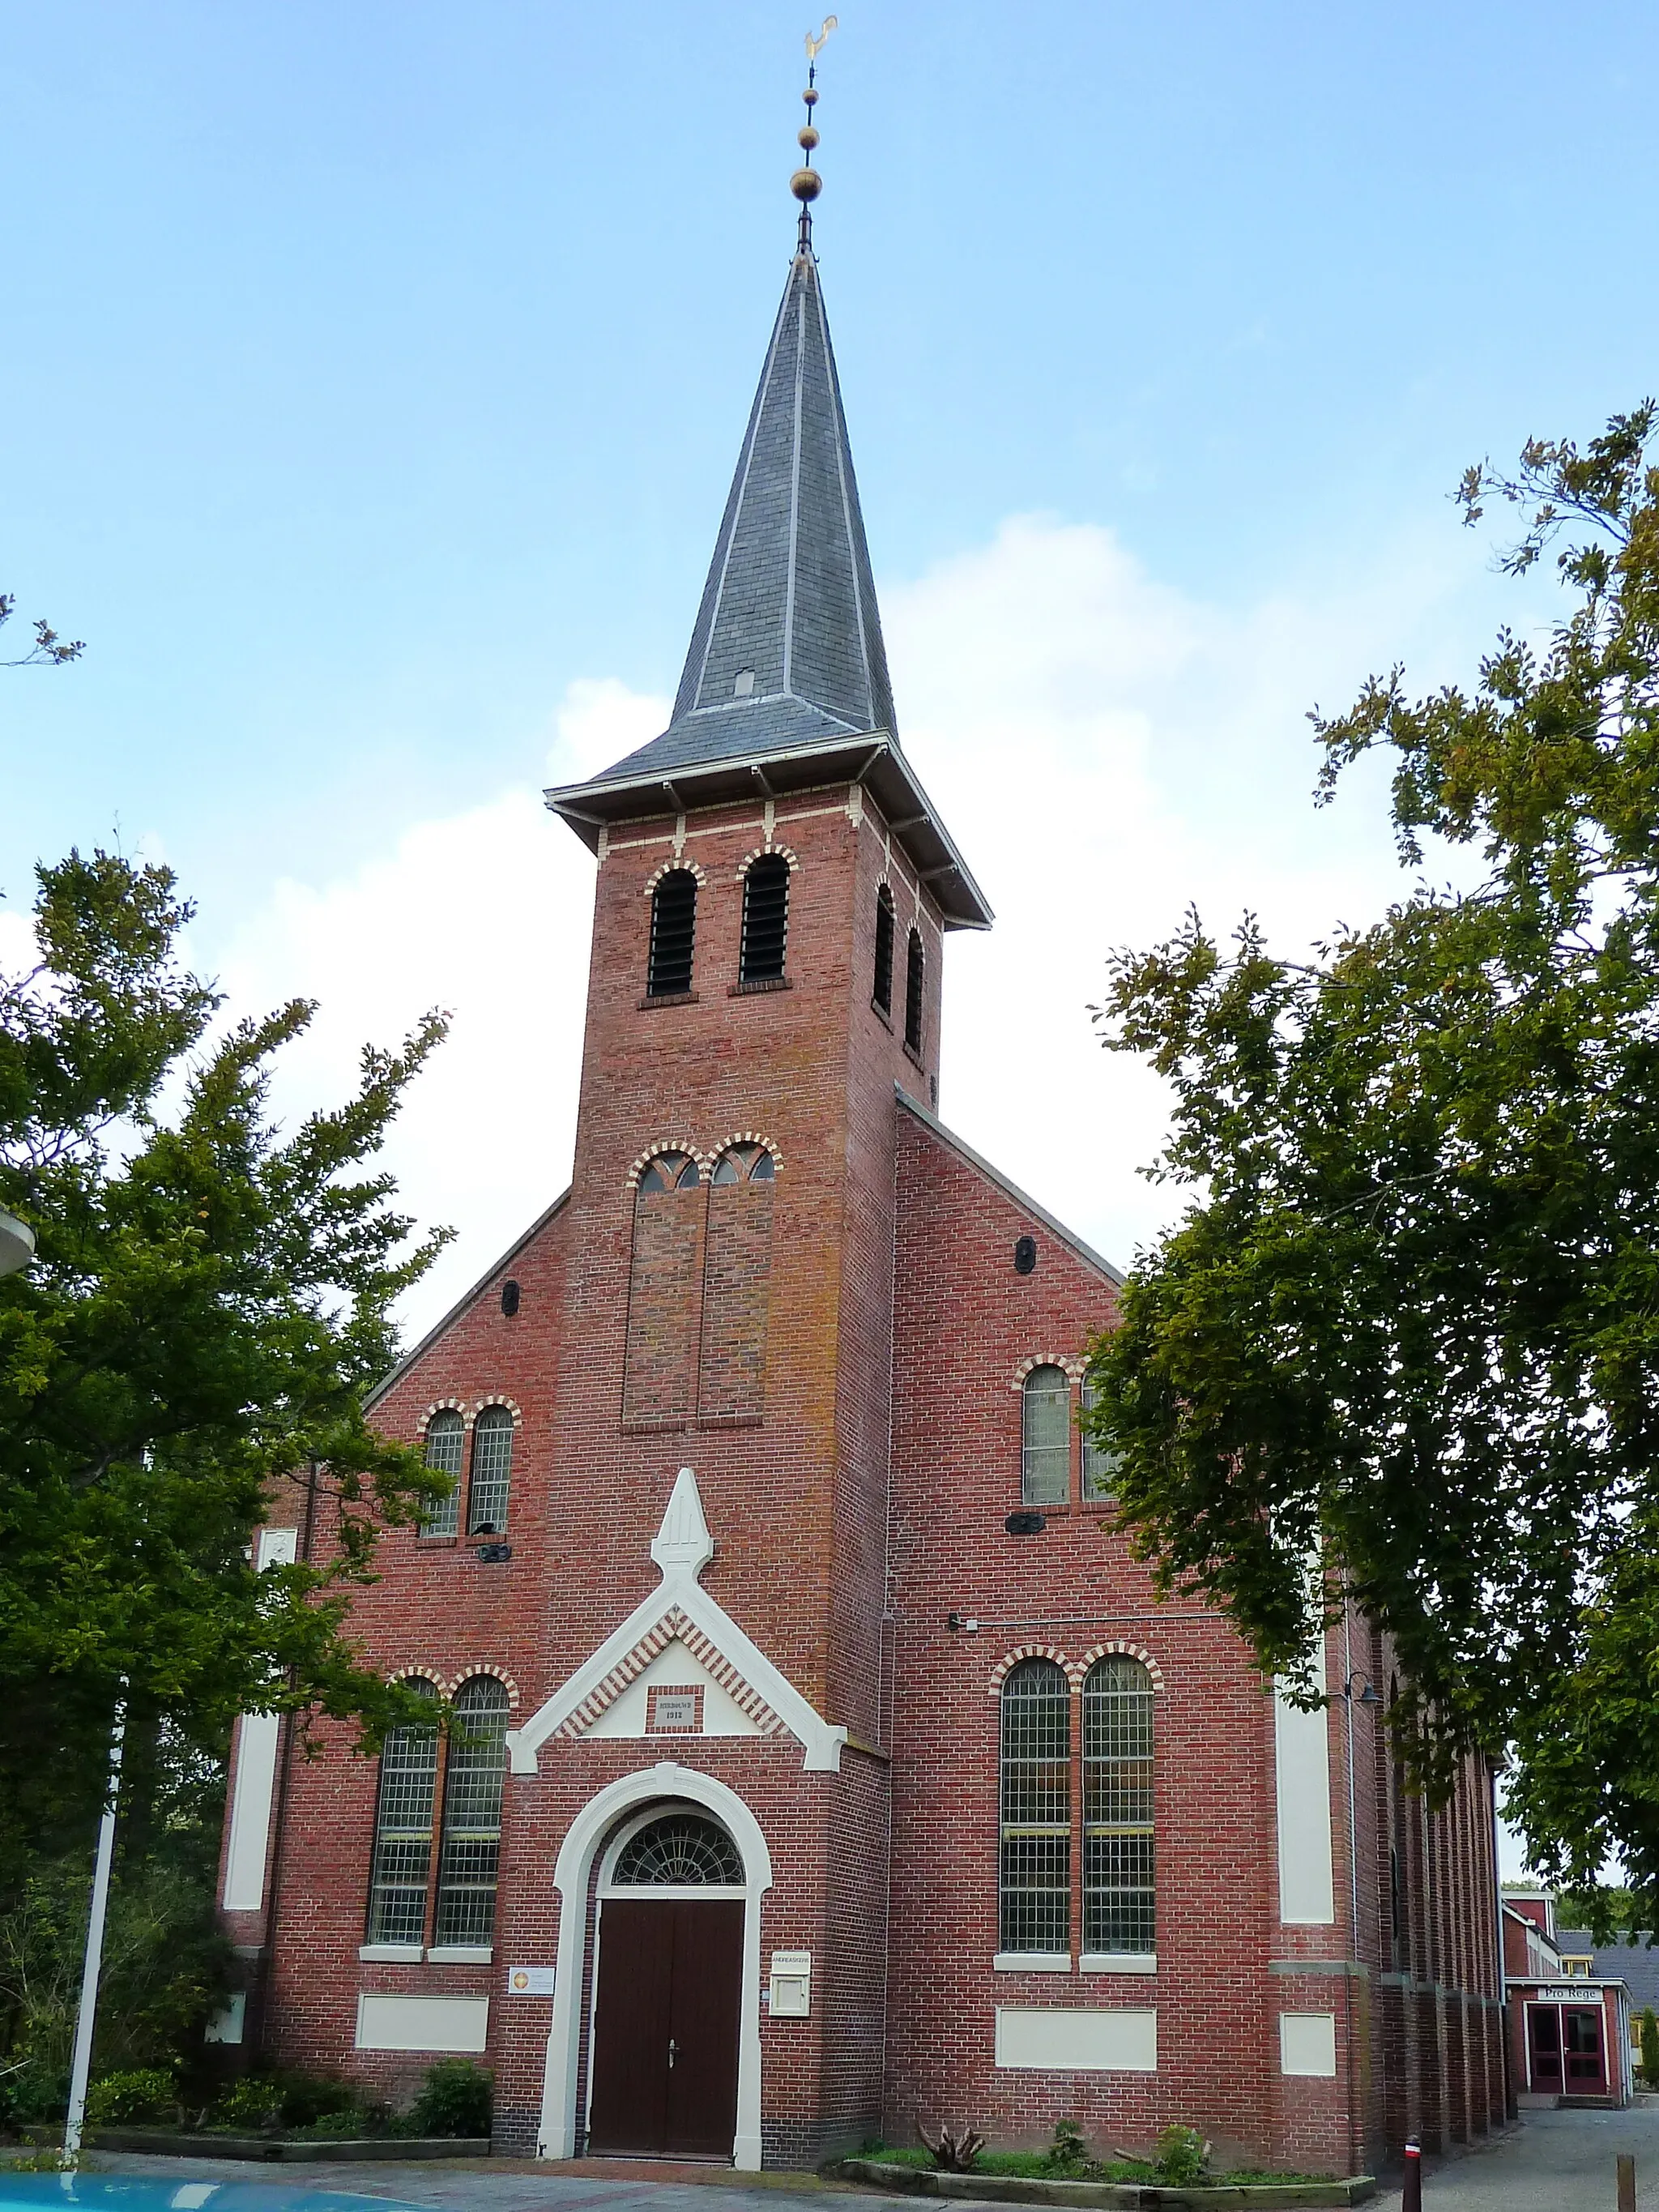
x: 1553, y: 2162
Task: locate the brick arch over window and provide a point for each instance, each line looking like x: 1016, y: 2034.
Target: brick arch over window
x: 737, y: 1281
x: 668, y: 868
x: 767, y: 853
x: 664, y: 1148
x: 1116, y: 1650
x: 495, y: 1673
x: 1006, y: 1665
x: 663, y: 1286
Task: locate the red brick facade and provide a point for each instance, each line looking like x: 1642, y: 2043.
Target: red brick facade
x: 839, y: 1349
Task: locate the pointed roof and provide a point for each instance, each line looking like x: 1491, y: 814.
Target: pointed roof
x: 786, y: 686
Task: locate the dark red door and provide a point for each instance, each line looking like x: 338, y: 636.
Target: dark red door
x: 1544, y: 2030
x: 665, y: 2027
x: 1580, y: 2048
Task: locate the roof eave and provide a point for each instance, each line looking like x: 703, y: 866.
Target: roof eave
x: 869, y: 758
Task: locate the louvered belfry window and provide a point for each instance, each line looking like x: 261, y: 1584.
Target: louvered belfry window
x: 915, y: 977
x: 1045, y: 1438
x: 765, y: 920
x: 403, y: 1831
x: 1036, y: 1808
x: 1118, y: 1890
x: 882, y: 990
x: 473, y: 1774
x: 445, y: 1440
x: 492, y: 1472
x: 673, y: 932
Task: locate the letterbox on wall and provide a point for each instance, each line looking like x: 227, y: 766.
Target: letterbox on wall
x: 792, y: 1985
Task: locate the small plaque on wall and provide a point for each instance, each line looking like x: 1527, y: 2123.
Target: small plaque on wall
x: 792, y: 1985
x: 530, y: 1981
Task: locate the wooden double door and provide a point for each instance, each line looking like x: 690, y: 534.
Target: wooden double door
x: 1568, y: 2050
x: 665, y: 2018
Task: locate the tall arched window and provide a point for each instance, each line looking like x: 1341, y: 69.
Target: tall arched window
x: 915, y: 977
x: 470, y: 1858
x: 765, y: 920
x: 1045, y: 1476
x: 445, y: 1440
x: 658, y: 1376
x: 673, y: 930
x: 403, y: 1831
x: 737, y: 1271
x: 1118, y: 1890
x: 1036, y: 1808
x: 1099, y: 1465
x: 882, y: 989
x: 492, y: 1472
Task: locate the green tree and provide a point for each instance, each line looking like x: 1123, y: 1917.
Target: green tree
x: 1649, y: 2048
x: 1411, y: 1312
x: 208, y: 1301
x: 48, y: 650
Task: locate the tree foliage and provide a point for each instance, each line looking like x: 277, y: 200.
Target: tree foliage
x: 48, y: 650
x: 209, y: 1299
x: 1411, y: 1314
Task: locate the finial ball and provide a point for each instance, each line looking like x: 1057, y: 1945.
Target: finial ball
x: 810, y: 96
x: 806, y: 185
x: 808, y: 137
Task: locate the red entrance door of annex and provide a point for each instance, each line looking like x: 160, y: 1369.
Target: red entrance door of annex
x: 1567, y: 2049
x: 665, y: 2027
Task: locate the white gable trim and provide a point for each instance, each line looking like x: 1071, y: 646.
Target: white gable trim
x: 682, y: 1548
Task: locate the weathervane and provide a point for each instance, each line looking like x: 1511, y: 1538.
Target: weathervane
x: 806, y: 183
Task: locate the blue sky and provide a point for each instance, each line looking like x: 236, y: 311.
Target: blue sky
x: 373, y: 375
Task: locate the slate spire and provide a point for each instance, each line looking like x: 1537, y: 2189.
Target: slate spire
x: 788, y: 649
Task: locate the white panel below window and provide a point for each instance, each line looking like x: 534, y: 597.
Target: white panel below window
x: 1307, y: 2043
x: 253, y: 1789
x: 391, y: 2023
x: 1032, y: 1962
x: 226, y: 2026
x: 1119, y: 1962
x: 1302, y: 1757
x: 1070, y: 2039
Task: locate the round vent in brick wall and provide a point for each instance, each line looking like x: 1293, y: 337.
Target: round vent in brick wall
x: 1026, y: 1524
x: 1024, y: 1255
x: 509, y: 1299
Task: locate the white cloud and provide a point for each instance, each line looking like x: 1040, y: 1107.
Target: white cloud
x: 1105, y: 750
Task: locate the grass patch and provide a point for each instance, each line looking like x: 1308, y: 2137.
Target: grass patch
x: 1033, y: 2165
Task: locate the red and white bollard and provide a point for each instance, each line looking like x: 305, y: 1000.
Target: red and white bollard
x: 1412, y: 2199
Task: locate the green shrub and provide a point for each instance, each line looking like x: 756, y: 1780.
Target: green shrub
x: 308, y: 2097
x: 142, y: 2092
x: 253, y: 2102
x: 1183, y: 2156
x: 1068, y: 2155
x: 1649, y: 2048
x: 455, y: 2100
x: 33, y: 2094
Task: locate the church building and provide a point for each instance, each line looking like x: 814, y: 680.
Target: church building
x: 823, y: 1765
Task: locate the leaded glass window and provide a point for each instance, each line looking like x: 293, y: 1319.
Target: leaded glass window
x: 473, y: 1774
x: 492, y: 1471
x: 1046, y: 1456
x: 446, y: 1439
x: 680, y: 1849
x: 673, y: 931
x: 1036, y: 1808
x: 670, y: 1171
x: 745, y: 1163
x: 765, y: 920
x: 1118, y: 1890
x: 403, y: 1831
x: 1100, y: 1466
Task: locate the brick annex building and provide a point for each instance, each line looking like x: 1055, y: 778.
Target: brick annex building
x: 828, y: 1766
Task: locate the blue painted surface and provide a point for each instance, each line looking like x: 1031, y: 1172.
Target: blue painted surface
x: 134, y: 2192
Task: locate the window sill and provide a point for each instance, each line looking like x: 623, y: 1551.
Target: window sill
x: 882, y: 1014
x: 911, y: 1054
x: 667, y: 999
x: 731, y: 1420
x: 392, y: 1955
x: 1031, y: 1962
x: 759, y: 983
x: 437, y: 1543
x: 1118, y: 1962
x: 460, y: 1954
x: 652, y: 1425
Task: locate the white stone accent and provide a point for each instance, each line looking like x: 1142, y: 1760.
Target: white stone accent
x: 1302, y: 1770
x: 1068, y: 2039
x: 674, y: 1667
x: 1307, y: 2043
x: 1031, y: 1962
x: 254, y: 1789
x: 394, y: 2023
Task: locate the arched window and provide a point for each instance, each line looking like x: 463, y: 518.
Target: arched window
x: 765, y: 920
x: 1036, y: 1808
x: 1045, y: 1477
x: 1100, y: 1466
x: 492, y: 1472
x: 882, y: 990
x: 736, y: 1284
x: 473, y: 1773
x: 445, y: 1440
x: 914, y: 974
x: 1118, y: 1892
x: 403, y: 1831
x: 659, y: 1372
x: 680, y: 1850
x: 673, y: 928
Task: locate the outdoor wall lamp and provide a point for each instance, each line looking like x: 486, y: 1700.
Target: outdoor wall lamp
x: 1369, y: 1695
x: 16, y: 1243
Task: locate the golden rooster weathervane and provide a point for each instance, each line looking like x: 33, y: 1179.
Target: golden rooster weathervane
x: 806, y: 183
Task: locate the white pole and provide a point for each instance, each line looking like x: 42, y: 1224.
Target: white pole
x: 87, y: 2017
